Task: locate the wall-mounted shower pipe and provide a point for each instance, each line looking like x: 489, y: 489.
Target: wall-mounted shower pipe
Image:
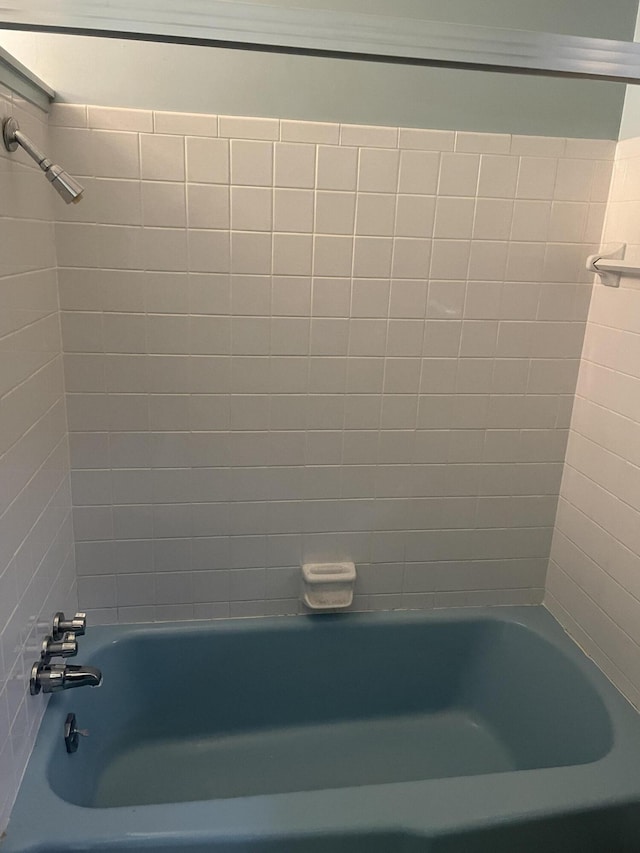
x: 68, y: 187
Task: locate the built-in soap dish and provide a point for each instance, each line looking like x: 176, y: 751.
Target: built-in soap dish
x: 328, y: 586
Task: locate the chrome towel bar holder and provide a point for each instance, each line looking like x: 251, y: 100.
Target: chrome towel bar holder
x: 610, y: 265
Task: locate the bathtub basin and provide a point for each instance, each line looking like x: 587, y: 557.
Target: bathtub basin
x: 442, y: 731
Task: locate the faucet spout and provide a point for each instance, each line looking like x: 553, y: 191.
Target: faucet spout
x: 81, y: 676
x: 51, y: 678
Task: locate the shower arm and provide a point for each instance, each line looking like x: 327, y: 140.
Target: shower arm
x: 63, y: 183
x: 14, y: 137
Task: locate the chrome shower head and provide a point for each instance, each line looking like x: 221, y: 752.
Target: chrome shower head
x: 70, y: 190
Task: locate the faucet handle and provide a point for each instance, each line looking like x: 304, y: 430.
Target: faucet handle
x: 45, y: 677
x: 64, y: 647
x: 77, y: 625
x: 72, y: 733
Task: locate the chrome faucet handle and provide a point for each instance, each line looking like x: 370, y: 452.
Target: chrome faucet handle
x: 77, y: 625
x: 46, y: 678
x: 72, y: 733
x: 64, y: 647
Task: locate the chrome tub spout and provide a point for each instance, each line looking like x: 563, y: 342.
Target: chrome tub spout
x: 51, y: 678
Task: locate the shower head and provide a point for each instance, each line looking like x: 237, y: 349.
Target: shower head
x: 70, y: 190
x: 65, y: 185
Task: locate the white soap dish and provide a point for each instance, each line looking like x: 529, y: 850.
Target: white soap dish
x: 328, y: 586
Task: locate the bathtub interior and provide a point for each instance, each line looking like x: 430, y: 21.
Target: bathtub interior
x: 326, y: 702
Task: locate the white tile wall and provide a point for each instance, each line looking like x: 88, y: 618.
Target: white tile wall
x: 594, y: 575
x: 37, y: 574
x: 288, y: 340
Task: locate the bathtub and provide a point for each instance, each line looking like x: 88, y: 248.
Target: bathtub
x: 456, y: 730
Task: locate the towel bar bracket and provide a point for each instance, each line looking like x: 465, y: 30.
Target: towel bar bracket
x: 610, y: 266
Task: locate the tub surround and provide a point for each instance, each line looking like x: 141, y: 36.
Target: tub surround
x: 285, y: 341
x: 37, y: 572
x: 291, y: 341
x: 593, y: 584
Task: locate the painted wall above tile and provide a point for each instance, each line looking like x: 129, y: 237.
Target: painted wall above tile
x: 115, y: 73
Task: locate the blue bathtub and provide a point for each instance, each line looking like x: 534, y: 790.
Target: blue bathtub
x: 442, y: 732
